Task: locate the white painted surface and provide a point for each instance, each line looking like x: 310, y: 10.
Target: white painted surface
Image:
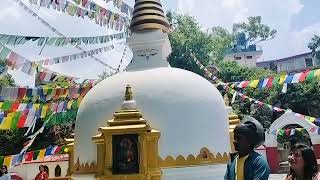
x: 245, y: 60
x: 196, y: 173
x: 187, y: 109
x: 29, y: 171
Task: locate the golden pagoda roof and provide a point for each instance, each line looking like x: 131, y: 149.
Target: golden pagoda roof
x: 148, y: 15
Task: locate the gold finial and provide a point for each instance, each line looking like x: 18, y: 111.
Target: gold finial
x: 148, y: 15
x: 226, y: 99
x: 128, y: 96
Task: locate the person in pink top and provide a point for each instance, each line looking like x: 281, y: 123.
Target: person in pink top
x: 303, y: 164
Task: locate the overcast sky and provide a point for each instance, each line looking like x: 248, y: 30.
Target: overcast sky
x: 295, y: 20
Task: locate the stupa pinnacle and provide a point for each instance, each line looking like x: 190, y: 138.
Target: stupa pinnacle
x: 148, y: 15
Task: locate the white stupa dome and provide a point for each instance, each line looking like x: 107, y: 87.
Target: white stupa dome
x: 187, y: 109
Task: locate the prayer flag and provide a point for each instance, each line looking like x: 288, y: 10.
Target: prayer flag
x: 7, y: 161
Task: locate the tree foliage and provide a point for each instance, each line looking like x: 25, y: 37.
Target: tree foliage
x: 254, y: 30
x: 314, y: 45
x: 187, y: 37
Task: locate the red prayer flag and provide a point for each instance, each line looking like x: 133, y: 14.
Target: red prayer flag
x: 245, y: 84
x: 12, y: 59
x: 303, y: 76
x: 57, y: 150
x: 28, y: 156
x: 269, y: 83
x: 14, y: 106
x: 21, y: 93
x: 22, y: 120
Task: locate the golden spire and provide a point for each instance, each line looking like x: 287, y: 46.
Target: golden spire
x: 128, y: 96
x: 148, y: 15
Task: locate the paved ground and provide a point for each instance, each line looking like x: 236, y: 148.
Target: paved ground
x: 213, y: 172
x: 277, y: 176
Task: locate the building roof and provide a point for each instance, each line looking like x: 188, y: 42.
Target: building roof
x: 285, y: 59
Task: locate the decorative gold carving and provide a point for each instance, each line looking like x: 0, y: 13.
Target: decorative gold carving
x: 205, y: 157
x: 85, y: 168
x: 233, y: 122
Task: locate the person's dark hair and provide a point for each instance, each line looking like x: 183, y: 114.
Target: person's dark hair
x: 310, y: 162
x: 40, y: 166
x: 248, y: 130
x: 6, y: 172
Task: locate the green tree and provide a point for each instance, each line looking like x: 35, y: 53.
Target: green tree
x: 254, y: 30
x: 187, y: 37
x: 314, y: 45
x: 5, y: 79
x: 221, y: 42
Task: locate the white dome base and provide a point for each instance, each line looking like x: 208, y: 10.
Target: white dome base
x: 187, y: 109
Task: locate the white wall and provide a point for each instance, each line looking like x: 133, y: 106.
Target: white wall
x: 244, y: 60
x: 29, y: 171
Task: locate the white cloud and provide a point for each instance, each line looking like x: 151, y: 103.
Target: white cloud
x: 277, y: 14
x: 303, y: 37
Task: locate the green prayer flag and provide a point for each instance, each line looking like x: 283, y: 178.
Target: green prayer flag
x: 49, y: 92
x: 15, y: 120
x: 275, y: 80
x: 1, y: 160
x: 35, y: 155
x: 4, y: 53
x: 6, y: 105
x: 310, y: 76
x: 281, y: 132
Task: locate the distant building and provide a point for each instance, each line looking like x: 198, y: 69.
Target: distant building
x: 291, y: 64
x: 242, y: 53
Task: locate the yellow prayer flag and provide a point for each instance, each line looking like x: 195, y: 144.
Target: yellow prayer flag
x: 1, y: 104
x: 312, y: 119
x: 45, y: 91
x: 317, y: 73
x: 6, y: 123
x: 7, y: 161
x: 44, y: 111
x: 66, y: 150
x: 79, y: 100
x: 36, y: 106
x: 41, y: 154
x: 69, y: 104
x: 282, y: 79
x: 254, y: 83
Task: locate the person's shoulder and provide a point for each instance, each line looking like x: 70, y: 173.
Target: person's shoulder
x: 258, y: 158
